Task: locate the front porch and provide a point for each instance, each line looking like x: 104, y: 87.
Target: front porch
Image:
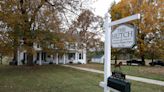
x: 41, y: 58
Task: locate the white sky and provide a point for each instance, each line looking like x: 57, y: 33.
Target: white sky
x: 102, y: 6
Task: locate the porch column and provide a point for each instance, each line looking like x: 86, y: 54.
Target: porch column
x: 76, y: 57
x: 57, y: 60
x: 84, y: 56
x: 64, y: 62
x: 53, y: 59
x: 25, y: 58
x: 18, y: 57
x: 40, y: 58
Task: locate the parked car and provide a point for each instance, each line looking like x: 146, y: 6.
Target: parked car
x: 13, y: 63
x: 157, y: 62
x: 133, y: 61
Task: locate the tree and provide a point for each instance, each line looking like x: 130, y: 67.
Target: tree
x: 33, y: 21
x: 151, y: 22
x: 86, y: 30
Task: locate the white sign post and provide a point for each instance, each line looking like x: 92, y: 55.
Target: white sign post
x: 107, y: 29
x: 107, y: 63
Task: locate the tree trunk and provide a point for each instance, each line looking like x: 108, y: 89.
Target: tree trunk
x: 143, y: 59
x: 1, y: 59
x: 115, y: 59
x: 30, y: 55
x: 15, y: 59
x: 152, y: 57
x: 30, y: 59
x: 15, y: 51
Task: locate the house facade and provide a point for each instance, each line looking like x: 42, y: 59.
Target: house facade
x: 73, y: 55
x: 98, y: 59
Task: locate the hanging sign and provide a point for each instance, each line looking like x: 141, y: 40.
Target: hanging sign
x: 124, y: 36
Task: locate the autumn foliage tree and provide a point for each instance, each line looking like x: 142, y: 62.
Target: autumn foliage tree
x: 151, y: 22
x: 86, y: 30
x: 25, y: 22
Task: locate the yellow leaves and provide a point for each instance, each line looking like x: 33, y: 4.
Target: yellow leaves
x: 47, y: 13
x: 150, y: 12
x: 152, y: 17
x: 123, y: 9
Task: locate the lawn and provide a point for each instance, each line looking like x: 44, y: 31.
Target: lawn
x: 47, y: 79
x: 140, y: 71
x: 52, y: 78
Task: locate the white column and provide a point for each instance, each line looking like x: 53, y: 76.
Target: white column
x: 84, y: 56
x: 25, y: 58
x: 34, y: 58
x: 64, y: 62
x: 57, y: 60
x: 76, y: 57
x: 53, y: 58
x: 40, y: 58
x: 107, y: 64
x: 18, y: 57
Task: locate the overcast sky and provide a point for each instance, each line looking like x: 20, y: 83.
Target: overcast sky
x: 102, y: 6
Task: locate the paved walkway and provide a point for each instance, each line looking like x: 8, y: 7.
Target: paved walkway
x: 140, y: 79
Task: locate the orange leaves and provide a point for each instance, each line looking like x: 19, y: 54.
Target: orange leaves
x: 152, y: 12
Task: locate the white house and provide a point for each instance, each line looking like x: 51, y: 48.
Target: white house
x: 98, y: 59
x: 73, y: 55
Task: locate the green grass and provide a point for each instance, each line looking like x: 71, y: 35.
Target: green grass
x: 47, y: 79
x: 51, y: 78
x: 156, y: 73
x: 142, y: 87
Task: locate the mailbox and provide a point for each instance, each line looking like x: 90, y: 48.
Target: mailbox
x: 118, y: 81
x: 120, y: 85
